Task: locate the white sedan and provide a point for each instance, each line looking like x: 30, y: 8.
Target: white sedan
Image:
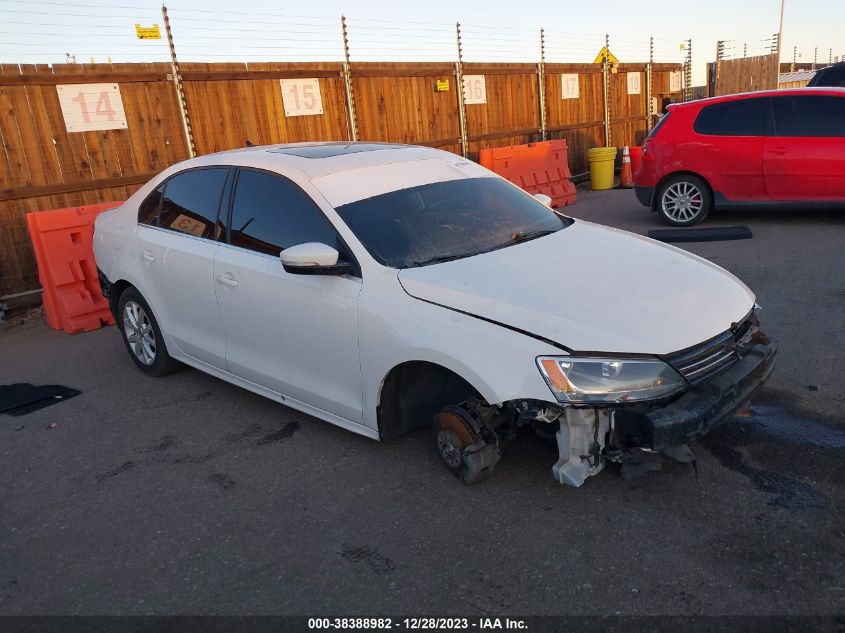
x: 386, y: 287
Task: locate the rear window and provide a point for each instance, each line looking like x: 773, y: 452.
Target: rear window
x: 809, y: 115
x: 746, y: 117
x: 660, y: 123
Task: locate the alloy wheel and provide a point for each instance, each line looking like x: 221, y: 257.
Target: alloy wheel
x: 139, y: 333
x: 682, y: 201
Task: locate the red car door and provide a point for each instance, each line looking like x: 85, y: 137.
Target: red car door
x: 804, y: 157
x: 728, y: 148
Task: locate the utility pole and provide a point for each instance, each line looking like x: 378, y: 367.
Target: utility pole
x: 780, y: 40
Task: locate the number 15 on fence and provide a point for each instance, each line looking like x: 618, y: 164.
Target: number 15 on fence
x: 301, y: 97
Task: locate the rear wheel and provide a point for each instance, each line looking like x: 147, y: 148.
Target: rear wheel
x: 684, y: 200
x: 142, y: 336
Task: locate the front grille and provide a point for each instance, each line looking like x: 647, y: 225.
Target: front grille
x: 700, y: 362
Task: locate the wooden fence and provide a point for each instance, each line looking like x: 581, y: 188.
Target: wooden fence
x: 745, y: 74
x: 44, y: 166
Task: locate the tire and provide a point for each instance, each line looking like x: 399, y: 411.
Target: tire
x: 684, y: 200
x: 146, y: 347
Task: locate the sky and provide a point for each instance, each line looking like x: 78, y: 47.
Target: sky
x: 35, y: 31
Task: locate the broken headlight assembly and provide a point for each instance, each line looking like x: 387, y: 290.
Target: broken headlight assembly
x: 575, y: 380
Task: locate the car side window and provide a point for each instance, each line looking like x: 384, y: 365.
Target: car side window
x: 270, y: 213
x: 745, y: 117
x: 809, y: 115
x: 191, y: 202
x: 148, y: 210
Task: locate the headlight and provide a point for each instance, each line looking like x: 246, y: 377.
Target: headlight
x: 607, y: 380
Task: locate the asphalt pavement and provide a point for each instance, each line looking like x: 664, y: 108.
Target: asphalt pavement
x: 186, y: 495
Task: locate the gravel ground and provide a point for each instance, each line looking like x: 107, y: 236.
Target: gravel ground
x: 188, y: 495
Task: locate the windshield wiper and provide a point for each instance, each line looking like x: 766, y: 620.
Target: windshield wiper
x: 530, y: 235
x: 519, y: 237
x: 515, y: 239
x: 439, y: 259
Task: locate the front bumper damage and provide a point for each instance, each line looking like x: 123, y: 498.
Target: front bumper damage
x: 588, y: 437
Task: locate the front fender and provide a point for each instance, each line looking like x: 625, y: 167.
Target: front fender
x: 395, y: 328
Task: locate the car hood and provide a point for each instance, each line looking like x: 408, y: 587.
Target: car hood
x: 591, y: 288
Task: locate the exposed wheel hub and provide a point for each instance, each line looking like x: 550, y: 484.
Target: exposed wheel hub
x: 462, y: 447
x: 450, y: 448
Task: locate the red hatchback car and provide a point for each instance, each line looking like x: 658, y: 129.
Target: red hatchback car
x: 761, y: 148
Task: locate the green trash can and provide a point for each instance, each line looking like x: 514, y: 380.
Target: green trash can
x: 602, y: 160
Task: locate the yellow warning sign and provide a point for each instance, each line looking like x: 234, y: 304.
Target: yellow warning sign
x: 441, y: 85
x: 604, y: 53
x: 148, y: 32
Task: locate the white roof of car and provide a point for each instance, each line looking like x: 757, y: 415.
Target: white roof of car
x: 320, y: 159
x: 345, y: 172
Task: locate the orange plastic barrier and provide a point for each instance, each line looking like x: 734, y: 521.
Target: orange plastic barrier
x: 536, y: 167
x: 63, y: 240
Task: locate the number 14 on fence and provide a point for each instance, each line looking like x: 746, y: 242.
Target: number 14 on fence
x: 91, y: 107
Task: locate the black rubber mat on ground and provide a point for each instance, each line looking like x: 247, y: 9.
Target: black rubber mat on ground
x: 715, y: 234
x: 22, y: 398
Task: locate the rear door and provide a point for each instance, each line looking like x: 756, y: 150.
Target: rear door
x: 730, y: 143
x: 176, y: 240
x: 804, y: 158
x: 294, y: 334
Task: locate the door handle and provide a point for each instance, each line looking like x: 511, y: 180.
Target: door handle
x: 227, y: 280
x: 778, y: 150
x: 147, y: 256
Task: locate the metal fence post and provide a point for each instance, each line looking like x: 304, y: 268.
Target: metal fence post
x: 606, y: 90
x: 775, y: 52
x: 180, y: 90
x: 541, y: 79
x: 649, y: 89
x: 347, y: 82
x: 459, y: 89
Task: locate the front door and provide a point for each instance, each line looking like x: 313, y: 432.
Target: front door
x: 804, y: 158
x: 294, y: 334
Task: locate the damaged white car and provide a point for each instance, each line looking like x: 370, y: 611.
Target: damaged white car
x: 384, y: 288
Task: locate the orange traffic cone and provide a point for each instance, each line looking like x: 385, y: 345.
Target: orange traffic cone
x: 626, y: 178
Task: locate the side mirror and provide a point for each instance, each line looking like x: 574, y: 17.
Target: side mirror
x: 546, y: 200
x: 313, y: 258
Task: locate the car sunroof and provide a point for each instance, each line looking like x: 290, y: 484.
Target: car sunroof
x: 327, y: 151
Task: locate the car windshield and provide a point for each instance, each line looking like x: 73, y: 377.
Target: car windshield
x: 442, y: 221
